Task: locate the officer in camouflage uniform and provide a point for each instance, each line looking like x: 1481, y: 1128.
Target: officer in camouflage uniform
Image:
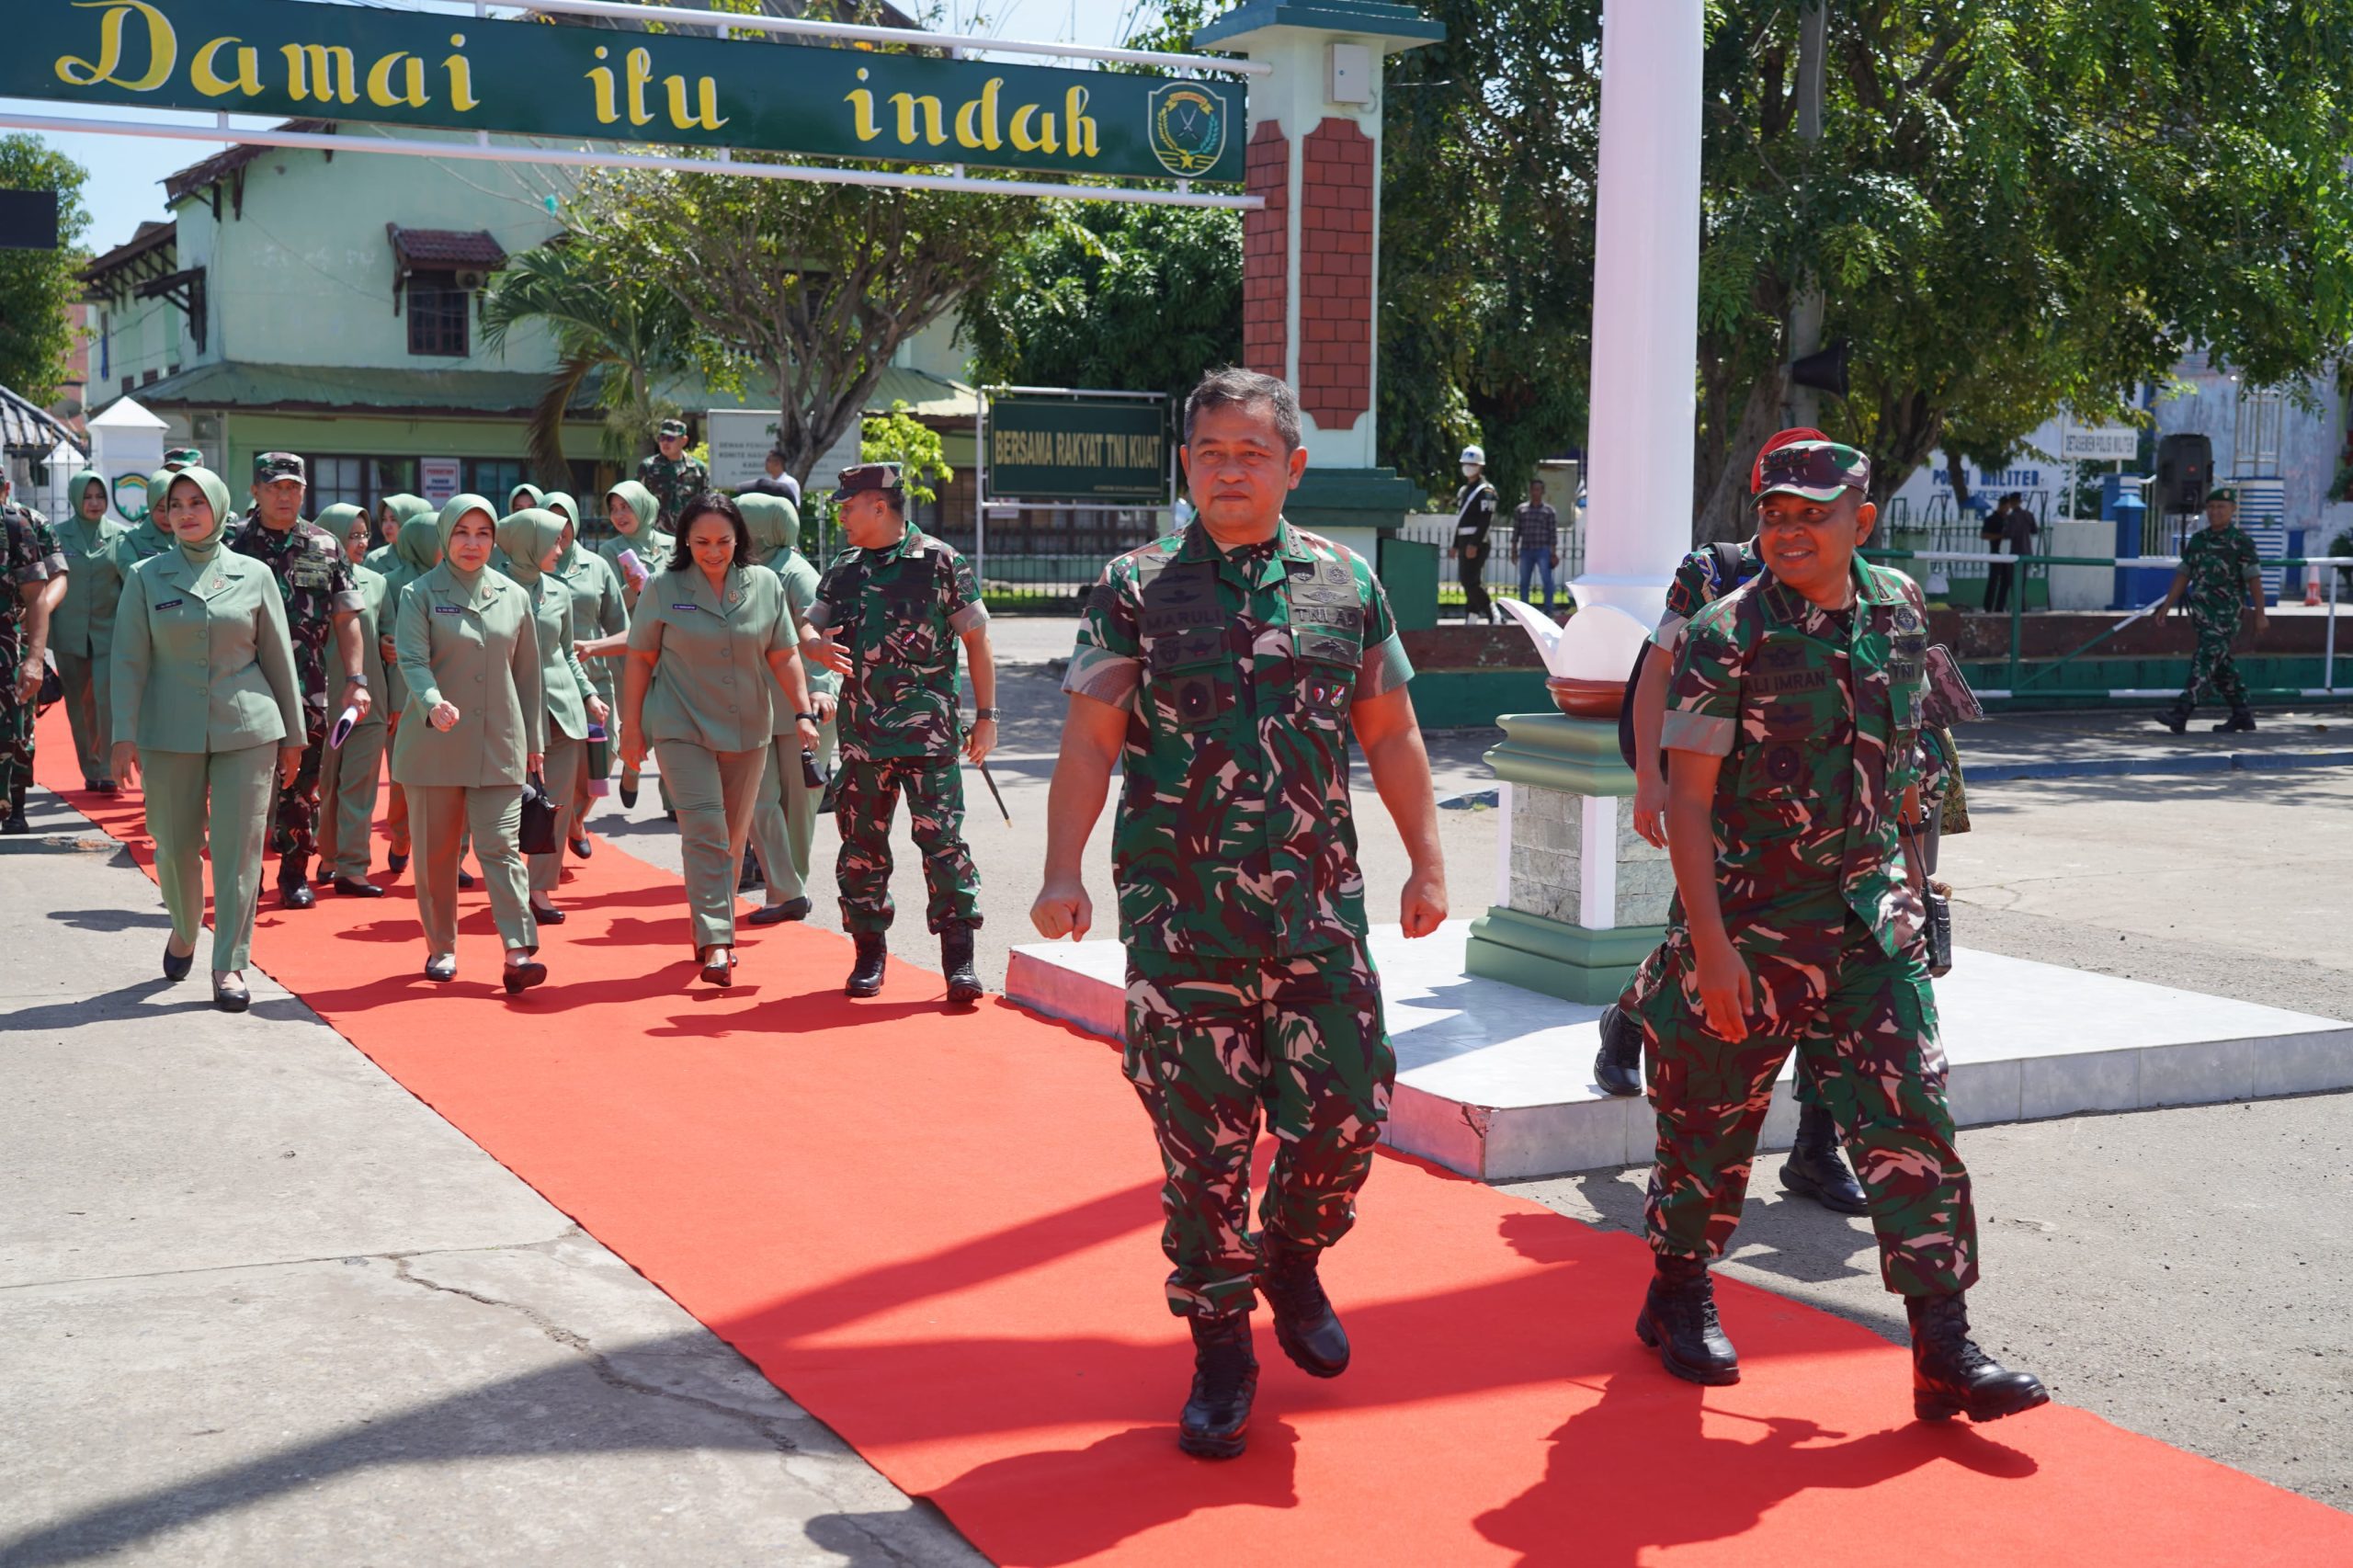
x: 32, y: 585
x: 1794, y: 732
x: 323, y: 602
x: 674, y: 477
x: 2219, y: 571
x: 888, y: 614
x: 1223, y: 669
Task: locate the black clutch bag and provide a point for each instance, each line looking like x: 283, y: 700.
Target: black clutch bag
x: 52, y: 690
x: 537, y: 835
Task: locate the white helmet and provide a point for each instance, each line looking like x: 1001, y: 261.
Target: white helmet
x: 1475, y: 454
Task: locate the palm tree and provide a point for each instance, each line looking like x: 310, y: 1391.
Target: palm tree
x: 616, y: 337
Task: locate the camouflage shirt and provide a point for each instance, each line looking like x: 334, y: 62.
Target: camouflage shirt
x: 2219, y: 567
x: 673, y: 484
x: 1238, y: 669
x: 1698, y: 583
x: 899, y: 612
x: 1816, y: 715
x: 29, y: 555
x: 314, y: 576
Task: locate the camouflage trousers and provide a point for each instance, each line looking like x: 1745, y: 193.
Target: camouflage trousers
x: 2210, y: 665
x: 866, y: 798
x: 1647, y: 978
x: 1213, y: 1042
x: 294, y: 823
x: 15, y: 718
x: 1868, y: 1025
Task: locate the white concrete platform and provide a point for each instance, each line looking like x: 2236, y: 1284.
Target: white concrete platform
x: 1496, y: 1081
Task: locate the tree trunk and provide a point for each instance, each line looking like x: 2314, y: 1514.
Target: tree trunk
x: 1723, y: 511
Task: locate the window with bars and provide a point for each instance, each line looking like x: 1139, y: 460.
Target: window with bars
x: 338, y: 478
x: 2262, y: 432
x: 437, y: 314
x: 494, y: 478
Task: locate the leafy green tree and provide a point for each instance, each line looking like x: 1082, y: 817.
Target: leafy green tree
x: 899, y: 438
x: 39, y: 289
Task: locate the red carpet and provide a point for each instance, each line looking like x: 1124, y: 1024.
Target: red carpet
x: 938, y: 1234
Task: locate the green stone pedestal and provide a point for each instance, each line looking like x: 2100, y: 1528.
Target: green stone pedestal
x: 1581, y: 899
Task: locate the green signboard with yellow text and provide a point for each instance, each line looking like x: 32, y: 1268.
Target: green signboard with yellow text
x: 310, y: 60
x: 1061, y: 448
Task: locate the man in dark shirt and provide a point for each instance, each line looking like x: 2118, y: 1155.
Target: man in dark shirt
x: 1536, y: 532
x: 2010, y: 531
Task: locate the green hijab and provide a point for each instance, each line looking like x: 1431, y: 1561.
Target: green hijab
x: 538, y: 498
x: 641, y: 501
x: 78, y: 490
x: 525, y: 535
x: 453, y: 512
x: 215, y: 492
x: 561, y: 501
x: 774, y: 524
x: 158, y: 534
x: 338, y: 520
x: 419, y: 550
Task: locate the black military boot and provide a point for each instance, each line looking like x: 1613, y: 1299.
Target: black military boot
x: 13, y: 822
x: 1618, y: 1067
x: 866, y: 974
x: 1815, y: 1169
x: 1225, y: 1379
x: 750, y: 877
x: 1679, y: 1321
x: 1950, y: 1376
x: 1305, y: 1325
x: 956, y: 961
x: 2241, y: 721
x: 294, y: 884
x: 2175, y: 718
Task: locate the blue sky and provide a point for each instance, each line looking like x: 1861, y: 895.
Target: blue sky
x: 126, y: 172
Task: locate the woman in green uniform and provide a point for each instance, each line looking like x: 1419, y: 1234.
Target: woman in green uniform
x: 525, y: 495
x: 707, y: 636
x: 532, y: 540
x: 349, y: 773
x: 81, y: 632
x: 351, y: 525
x: 205, y: 701
x: 637, y: 535
x: 472, y: 733
x: 599, y: 612
x: 392, y: 511
x: 411, y: 560
x: 784, y: 825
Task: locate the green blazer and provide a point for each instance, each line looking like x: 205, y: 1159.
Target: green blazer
x: 477, y: 648
x: 712, y: 684
x: 799, y: 576
x: 375, y: 611
x: 202, y: 661
x: 563, y: 681
x: 653, y: 546
x: 598, y: 608
x: 97, y: 560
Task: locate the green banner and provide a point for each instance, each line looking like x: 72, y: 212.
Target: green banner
x: 307, y: 60
x: 1058, y: 449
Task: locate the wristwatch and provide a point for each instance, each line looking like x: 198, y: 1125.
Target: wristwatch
x: 981, y: 713
x: 359, y: 681
x: 811, y: 717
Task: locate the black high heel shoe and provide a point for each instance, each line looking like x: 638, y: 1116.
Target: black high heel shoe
x: 229, y: 995
x: 176, y: 969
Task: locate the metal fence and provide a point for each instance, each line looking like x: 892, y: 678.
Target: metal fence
x: 1502, y: 576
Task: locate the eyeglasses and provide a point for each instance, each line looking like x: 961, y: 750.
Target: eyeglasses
x: 1812, y: 466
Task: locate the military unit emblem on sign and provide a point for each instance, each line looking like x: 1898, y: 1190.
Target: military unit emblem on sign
x: 1188, y: 128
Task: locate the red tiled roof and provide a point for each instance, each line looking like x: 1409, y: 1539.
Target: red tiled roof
x: 446, y: 247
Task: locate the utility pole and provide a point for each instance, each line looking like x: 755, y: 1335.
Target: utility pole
x: 1802, y: 406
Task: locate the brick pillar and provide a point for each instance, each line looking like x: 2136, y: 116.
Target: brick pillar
x: 1335, y: 274
x: 1266, y: 252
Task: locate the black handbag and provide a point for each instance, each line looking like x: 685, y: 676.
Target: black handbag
x: 537, y: 835
x: 52, y: 692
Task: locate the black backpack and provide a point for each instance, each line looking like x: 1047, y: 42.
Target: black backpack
x: 1728, y: 577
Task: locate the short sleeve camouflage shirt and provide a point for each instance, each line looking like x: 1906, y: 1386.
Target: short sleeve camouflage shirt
x: 899, y: 611
x: 2220, y: 566
x: 1818, y: 718
x: 1698, y: 581
x: 1238, y: 669
x: 314, y: 575
x: 25, y: 559
x: 673, y: 484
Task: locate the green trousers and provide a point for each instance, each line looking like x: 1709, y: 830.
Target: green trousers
x: 716, y: 792
x: 89, y: 687
x: 215, y: 800
x: 784, y: 827
x: 864, y: 801
x: 348, y: 776
x: 1211, y: 1045
x: 566, y: 762
x: 441, y: 818
x: 1867, y: 1024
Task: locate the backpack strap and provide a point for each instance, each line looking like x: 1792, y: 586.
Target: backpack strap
x: 1727, y: 566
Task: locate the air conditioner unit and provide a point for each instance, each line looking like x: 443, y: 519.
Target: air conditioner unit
x: 471, y: 281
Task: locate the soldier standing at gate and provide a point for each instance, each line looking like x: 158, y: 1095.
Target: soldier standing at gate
x: 888, y: 616
x: 673, y: 477
x: 1474, y: 515
x: 1222, y: 668
x: 322, y: 602
x: 1794, y: 731
x: 2219, y: 571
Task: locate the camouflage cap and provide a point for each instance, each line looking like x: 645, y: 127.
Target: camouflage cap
x: 669, y: 427
x: 269, y: 467
x: 1817, y: 471
x: 884, y: 477
x: 186, y: 457
x: 1789, y: 437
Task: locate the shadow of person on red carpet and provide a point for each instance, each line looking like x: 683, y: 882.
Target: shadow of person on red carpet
x: 1642, y: 1448
x: 1069, y: 1505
